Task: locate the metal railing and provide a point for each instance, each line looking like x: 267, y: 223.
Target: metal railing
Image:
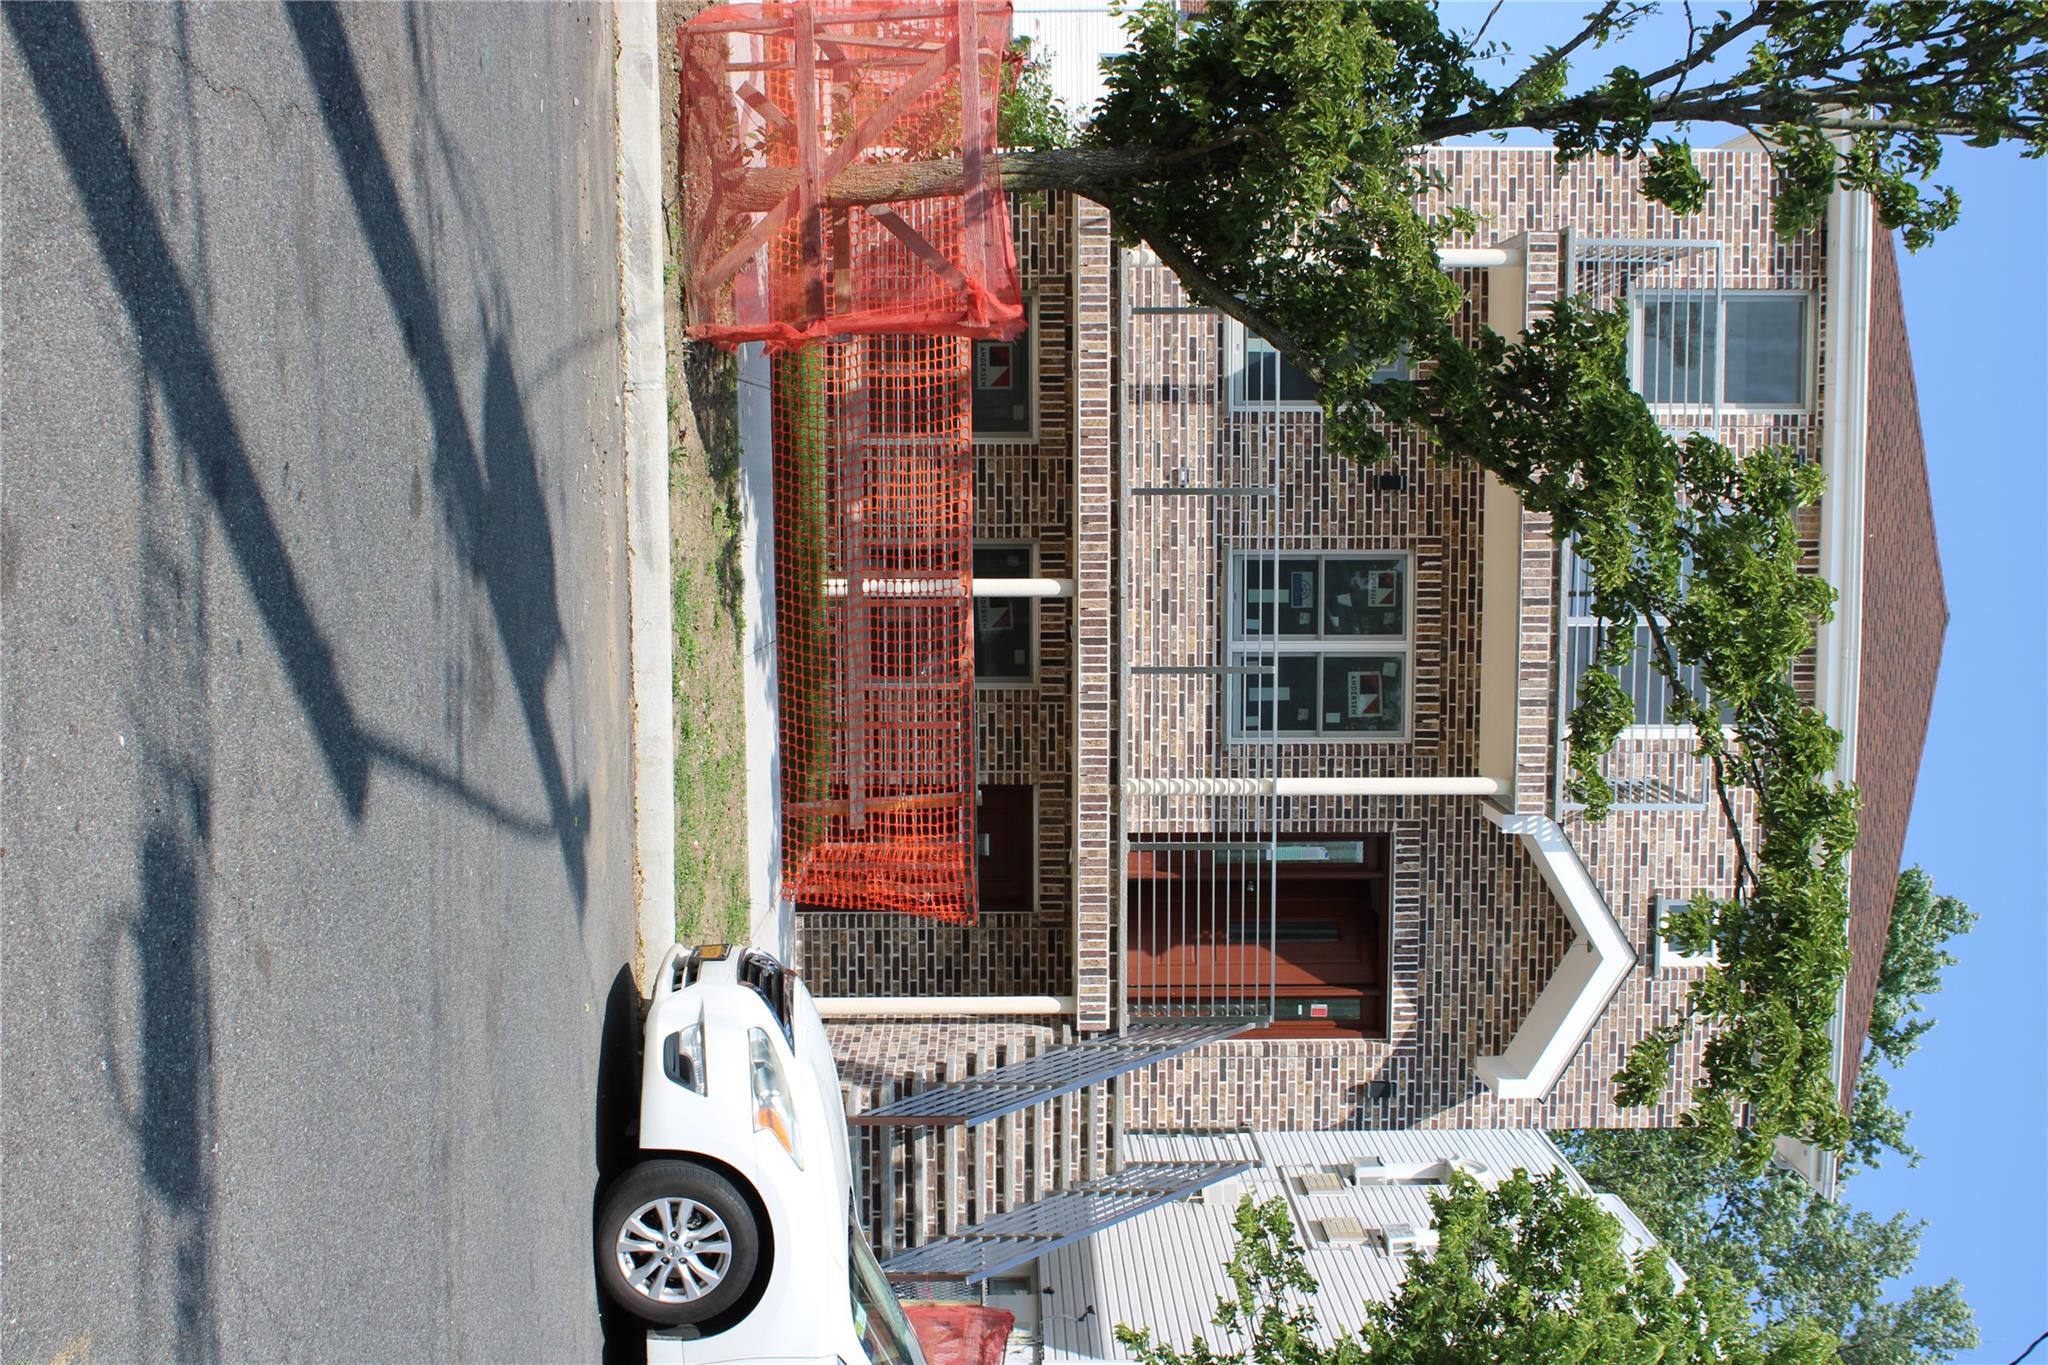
x: 1198, y: 480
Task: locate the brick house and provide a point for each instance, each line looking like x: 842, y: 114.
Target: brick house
x: 1283, y: 736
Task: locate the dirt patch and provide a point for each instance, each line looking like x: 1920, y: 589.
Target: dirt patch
x: 704, y: 529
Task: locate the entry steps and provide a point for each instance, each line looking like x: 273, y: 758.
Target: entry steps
x: 988, y: 1126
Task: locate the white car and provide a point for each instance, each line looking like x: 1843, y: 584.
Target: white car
x: 738, y: 1220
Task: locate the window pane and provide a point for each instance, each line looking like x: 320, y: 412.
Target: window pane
x: 1003, y: 626
x: 1293, y: 601
x: 1002, y: 386
x: 1766, y: 351
x: 1677, y: 361
x: 1290, y: 705
x: 1364, y: 693
x: 1270, y: 377
x: 1365, y: 596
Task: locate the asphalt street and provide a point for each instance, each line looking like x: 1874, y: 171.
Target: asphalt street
x: 316, y: 887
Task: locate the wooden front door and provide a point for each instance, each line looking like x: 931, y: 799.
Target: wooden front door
x: 1200, y: 928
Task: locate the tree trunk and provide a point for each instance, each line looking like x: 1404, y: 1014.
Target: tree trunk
x: 1080, y: 169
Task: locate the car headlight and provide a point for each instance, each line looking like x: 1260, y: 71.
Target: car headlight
x: 682, y: 1057
x: 774, y: 1104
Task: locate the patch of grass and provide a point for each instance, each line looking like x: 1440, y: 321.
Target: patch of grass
x: 709, y: 630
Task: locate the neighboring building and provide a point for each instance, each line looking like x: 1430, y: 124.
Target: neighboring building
x: 1358, y: 1201
x: 1289, y: 738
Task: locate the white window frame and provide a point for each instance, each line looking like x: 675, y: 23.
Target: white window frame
x: 1664, y: 956
x: 1240, y: 649
x: 1237, y: 342
x: 982, y: 684
x: 1708, y: 298
x: 1035, y: 350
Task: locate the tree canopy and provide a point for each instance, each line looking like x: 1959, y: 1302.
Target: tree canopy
x: 1268, y: 154
x: 1793, y: 1255
x: 1530, y: 1272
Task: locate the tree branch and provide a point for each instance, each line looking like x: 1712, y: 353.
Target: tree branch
x: 1205, y: 289
x: 1668, y: 665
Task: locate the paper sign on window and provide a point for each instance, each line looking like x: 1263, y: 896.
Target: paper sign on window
x: 995, y: 365
x: 1364, y: 695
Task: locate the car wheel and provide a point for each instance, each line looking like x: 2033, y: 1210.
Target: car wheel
x: 677, y: 1243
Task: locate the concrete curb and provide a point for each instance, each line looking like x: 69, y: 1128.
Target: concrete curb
x: 649, y: 581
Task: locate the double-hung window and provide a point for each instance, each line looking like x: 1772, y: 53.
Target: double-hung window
x: 1752, y: 351
x: 1647, y: 688
x: 1337, y: 629
x: 1005, y: 628
x: 1263, y: 380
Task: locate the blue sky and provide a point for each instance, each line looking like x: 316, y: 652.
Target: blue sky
x: 1977, y: 311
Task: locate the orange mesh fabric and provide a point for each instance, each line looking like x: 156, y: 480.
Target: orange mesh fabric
x: 959, y: 1333
x: 789, y: 107
x: 874, y: 633
x: 792, y: 115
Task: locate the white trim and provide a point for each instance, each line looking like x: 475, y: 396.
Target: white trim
x: 938, y: 1006
x: 1031, y: 602
x: 936, y: 586
x: 1593, y: 967
x: 644, y: 396
x: 1315, y: 786
x: 1033, y: 349
x: 1838, y: 653
x: 1720, y: 402
x: 1317, y: 646
x: 1478, y: 257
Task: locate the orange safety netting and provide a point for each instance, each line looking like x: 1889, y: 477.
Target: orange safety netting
x: 793, y: 114
x: 793, y: 111
x: 960, y: 1333
x: 874, y: 636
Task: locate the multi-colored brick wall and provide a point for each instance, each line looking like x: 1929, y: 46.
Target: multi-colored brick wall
x: 1023, y: 494
x: 1476, y: 931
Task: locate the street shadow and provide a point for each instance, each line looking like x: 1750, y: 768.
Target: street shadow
x: 617, y: 1118
x: 489, y: 488
x: 137, y: 255
x: 173, y: 1117
x: 179, y: 360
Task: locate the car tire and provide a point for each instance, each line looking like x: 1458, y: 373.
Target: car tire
x: 677, y: 1243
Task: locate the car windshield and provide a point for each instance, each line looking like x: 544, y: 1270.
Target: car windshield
x: 877, y: 1318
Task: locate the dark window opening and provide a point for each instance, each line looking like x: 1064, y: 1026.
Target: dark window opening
x: 1005, y: 628
x: 1005, y: 845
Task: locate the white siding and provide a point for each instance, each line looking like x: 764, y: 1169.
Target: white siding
x: 1071, y: 40
x: 1164, y: 1270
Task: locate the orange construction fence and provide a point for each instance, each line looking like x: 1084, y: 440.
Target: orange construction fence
x: 795, y: 118
x: 794, y: 115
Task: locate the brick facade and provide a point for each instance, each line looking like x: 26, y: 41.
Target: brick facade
x: 1023, y: 494
x: 1138, y: 391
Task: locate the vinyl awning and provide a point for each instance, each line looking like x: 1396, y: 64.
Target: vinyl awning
x: 1022, y: 1235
